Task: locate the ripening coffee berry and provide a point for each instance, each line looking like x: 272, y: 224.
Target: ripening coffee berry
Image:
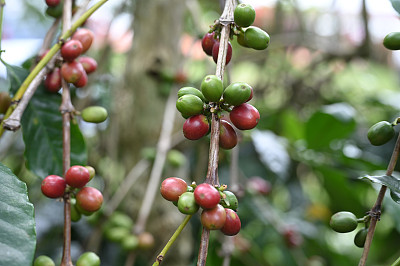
x: 146, y: 240
x: 380, y: 133
x: 207, y: 43
x: 85, y: 37
x: 232, y: 223
x: 215, y: 52
x: 172, y: 188
x: 258, y: 185
x: 256, y: 38
x: 89, y: 199
x: 360, y: 237
x: 43, y: 260
x: 212, y: 88
x: 196, y: 127
x: 244, y: 116
x: 94, y: 114
x: 244, y: 15
x: 343, y: 222
x: 191, y: 90
x: 53, y: 80
x: 72, y: 71
x: 227, y: 135
x: 77, y: 176
x: 237, y: 93
x: 88, y: 63
x: 206, y: 196
x: 82, y: 81
x: 189, y: 105
x: 53, y: 2
x: 5, y: 101
x: 187, y: 203
x: 92, y: 171
x: 392, y: 41
x: 71, y: 50
x: 213, y: 219
x: 88, y: 259
x: 53, y: 186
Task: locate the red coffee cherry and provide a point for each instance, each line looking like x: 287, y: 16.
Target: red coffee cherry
x: 208, y: 42
x: 213, y: 219
x: 292, y: 237
x: 244, y: 116
x: 172, y: 188
x: 232, y: 224
x: 53, y: 186
x: 85, y: 37
x: 72, y: 71
x: 206, y: 196
x: 89, y: 199
x: 53, y: 3
x: 88, y: 63
x: 53, y: 80
x: 77, y: 176
x: 258, y: 185
x: 71, y: 50
x: 196, y: 127
x: 82, y: 81
x: 215, y: 52
x: 227, y: 135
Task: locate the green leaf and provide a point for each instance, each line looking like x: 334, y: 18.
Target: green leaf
x: 42, y: 133
x: 335, y: 121
x: 396, y: 5
x: 390, y: 181
x: 17, y: 223
x: 15, y: 76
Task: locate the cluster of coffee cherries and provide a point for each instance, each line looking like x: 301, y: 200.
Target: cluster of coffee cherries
x: 345, y: 222
x: 118, y: 229
x: 84, y: 200
x: 196, y: 106
x: 247, y: 35
x: 74, y: 68
x: 219, y: 205
x: 86, y: 259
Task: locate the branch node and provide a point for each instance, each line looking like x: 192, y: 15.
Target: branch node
x: 160, y: 258
x: 11, y: 124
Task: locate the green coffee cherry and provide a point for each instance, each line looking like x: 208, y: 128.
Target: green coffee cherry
x: 55, y: 11
x: 116, y: 234
x: 212, y: 88
x: 360, y: 237
x: 94, y: 114
x: 176, y: 158
x: 88, y: 259
x: 392, y: 41
x: 43, y: 260
x: 343, y: 222
x: 191, y: 90
x: 237, y: 93
x: 241, y: 40
x: 75, y: 214
x: 130, y: 242
x: 256, y: 38
x: 119, y: 219
x: 230, y: 200
x: 189, y: 105
x: 380, y: 133
x: 244, y: 15
x: 187, y: 203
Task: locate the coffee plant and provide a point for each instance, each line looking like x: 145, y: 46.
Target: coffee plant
x: 260, y: 152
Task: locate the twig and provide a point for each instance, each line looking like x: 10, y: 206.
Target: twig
x: 2, y: 4
x: 126, y: 185
x: 376, y: 209
x: 161, y: 256
x: 226, y: 20
x: 163, y: 145
x: 66, y: 109
x: 49, y: 36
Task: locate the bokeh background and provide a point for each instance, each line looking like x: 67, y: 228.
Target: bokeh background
x: 324, y: 80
